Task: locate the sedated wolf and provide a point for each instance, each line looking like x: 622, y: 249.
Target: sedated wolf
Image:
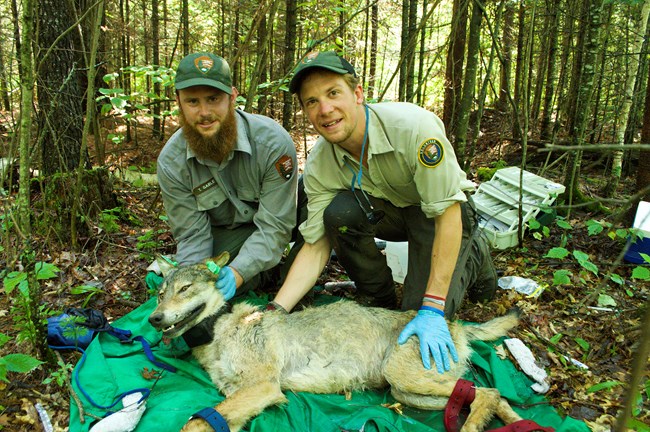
x: 253, y: 356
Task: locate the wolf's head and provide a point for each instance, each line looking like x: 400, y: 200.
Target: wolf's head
x: 186, y: 297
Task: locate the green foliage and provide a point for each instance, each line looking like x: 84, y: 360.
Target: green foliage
x: 114, y: 100
x: 88, y: 290
x: 58, y: 376
x: 148, y: 242
x: 594, y: 227
x: 486, y: 173
x: 108, y: 220
x: 20, y: 363
x: 26, y: 311
x: 604, y: 386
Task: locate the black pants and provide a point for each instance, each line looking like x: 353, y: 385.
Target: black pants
x: 352, y: 236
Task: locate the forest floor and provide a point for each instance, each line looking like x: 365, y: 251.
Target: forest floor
x: 590, y: 319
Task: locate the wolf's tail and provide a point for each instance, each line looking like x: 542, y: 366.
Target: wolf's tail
x: 495, y: 328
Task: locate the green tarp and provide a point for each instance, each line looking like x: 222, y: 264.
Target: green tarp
x: 111, y: 368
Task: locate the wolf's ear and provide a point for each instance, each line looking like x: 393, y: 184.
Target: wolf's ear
x: 221, y: 260
x: 165, y: 264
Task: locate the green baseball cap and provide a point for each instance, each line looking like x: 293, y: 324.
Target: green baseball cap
x: 203, y: 69
x: 326, y: 60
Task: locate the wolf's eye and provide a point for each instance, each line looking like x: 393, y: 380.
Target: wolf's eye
x: 184, y: 288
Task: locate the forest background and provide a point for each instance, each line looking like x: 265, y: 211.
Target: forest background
x: 557, y: 87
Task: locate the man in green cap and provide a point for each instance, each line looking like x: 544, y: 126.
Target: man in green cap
x: 386, y: 171
x: 228, y: 178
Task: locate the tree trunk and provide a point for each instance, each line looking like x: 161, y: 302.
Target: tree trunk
x: 562, y: 105
x: 410, y: 64
x: 454, y: 67
x: 155, y: 40
x: 403, y: 70
x: 503, y: 102
x: 588, y: 43
x: 372, y: 70
x: 126, y: 55
x: 624, y: 112
x: 60, y: 98
x: 643, y: 170
x: 549, y: 91
x: 594, y: 134
x: 289, y: 58
x: 521, y: 56
x: 4, y: 84
x: 421, y: 69
x: 473, y: 45
x: 185, y: 23
x: 26, y: 103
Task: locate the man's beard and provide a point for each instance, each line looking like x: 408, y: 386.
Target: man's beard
x: 217, y: 146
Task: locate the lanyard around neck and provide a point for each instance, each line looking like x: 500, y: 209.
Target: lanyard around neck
x: 363, y: 150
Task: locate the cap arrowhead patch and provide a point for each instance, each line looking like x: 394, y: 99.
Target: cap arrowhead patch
x: 204, y: 64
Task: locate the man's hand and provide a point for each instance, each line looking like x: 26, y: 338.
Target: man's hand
x: 226, y: 282
x: 435, y: 340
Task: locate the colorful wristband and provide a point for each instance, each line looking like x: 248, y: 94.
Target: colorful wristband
x: 432, y: 309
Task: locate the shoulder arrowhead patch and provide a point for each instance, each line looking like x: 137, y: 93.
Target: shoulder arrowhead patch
x: 284, y: 166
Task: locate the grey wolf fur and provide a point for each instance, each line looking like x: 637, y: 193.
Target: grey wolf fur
x: 340, y: 347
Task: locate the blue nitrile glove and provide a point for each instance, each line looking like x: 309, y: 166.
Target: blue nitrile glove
x: 432, y: 330
x: 226, y: 283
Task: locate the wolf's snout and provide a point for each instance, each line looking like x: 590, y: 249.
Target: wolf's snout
x: 155, y: 319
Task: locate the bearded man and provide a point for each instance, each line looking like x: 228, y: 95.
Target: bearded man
x: 227, y: 178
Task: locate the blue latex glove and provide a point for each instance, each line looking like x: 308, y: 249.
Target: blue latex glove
x: 435, y: 340
x: 226, y: 283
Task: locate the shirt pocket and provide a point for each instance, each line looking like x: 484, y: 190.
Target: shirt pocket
x: 247, y: 194
x: 210, y: 199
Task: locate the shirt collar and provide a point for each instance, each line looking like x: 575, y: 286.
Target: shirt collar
x: 376, y: 137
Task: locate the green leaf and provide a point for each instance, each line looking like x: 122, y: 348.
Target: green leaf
x: 563, y: 224
x: 616, y: 278
x: 557, y: 252
x: 606, y: 300
x: 645, y: 257
x: 637, y: 425
x: 594, y: 227
x: 603, y: 386
x: 587, y: 265
x: 4, y: 339
x: 21, y: 363
x: 556, y: 338
x: 111, y: 91
x: 118, y: 102
x: 534, y: 224
x: 641, y: 273
x: 106, y: 108
x: 84, y: 289
x: 45, y: 270
x: 622, y: 233
x: 580, y: 256
x: 13, y: 279
x: 583, y: 344
x: 108, y: 78
x: 561, y: 277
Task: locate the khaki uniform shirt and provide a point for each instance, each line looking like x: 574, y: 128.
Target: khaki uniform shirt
x: 410, y: 163
x: 256, y: 184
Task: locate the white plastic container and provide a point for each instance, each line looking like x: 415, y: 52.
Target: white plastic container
x: 497, y: 202
x: 397, y: 257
